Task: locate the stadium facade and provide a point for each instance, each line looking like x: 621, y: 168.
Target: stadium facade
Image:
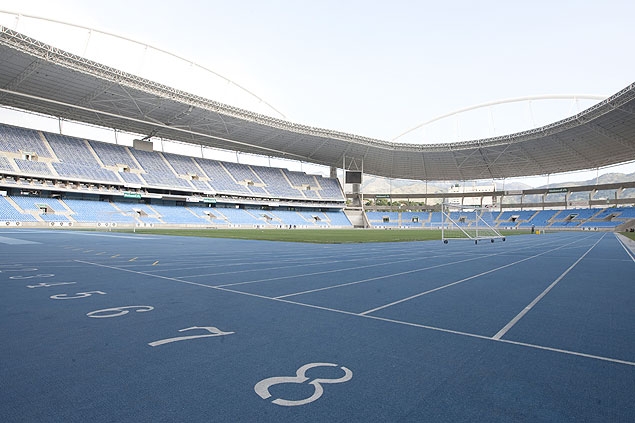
x: 43, y: 79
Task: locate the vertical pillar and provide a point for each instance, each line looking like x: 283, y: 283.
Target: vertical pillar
x: 333, y: 172
x: 357, y: 198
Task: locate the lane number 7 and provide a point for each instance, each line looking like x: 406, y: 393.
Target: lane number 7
x: 213, y: 331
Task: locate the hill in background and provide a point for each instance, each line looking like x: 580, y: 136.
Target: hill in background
x: 379, y: 185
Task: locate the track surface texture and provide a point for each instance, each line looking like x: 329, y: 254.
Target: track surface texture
x: 104, y: 327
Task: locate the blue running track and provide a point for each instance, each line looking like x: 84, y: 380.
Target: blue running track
x: 106, y: 327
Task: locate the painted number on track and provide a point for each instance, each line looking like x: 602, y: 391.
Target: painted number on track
x: 213, y: 331
x: 47, y: 285
x: 117, y: 311
x: 262, y: 387
x: 47, y: 275
x: 76, y: 296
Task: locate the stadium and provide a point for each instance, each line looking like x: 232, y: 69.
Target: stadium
x: 535, y: 328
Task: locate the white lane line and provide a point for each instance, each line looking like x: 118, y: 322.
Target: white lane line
x: 324, y: 272
x: 283, y: 263
x: 15, y: 241
x: 298, y: 265
x: 559, y: 350
x: 628, y: 250
x: 531, y: 305
x: 460, y: 281
x: 140, y: 237
x: 391, y: 275
x: 505, y: 341
x: 395, y: 274
x: 348, y: 313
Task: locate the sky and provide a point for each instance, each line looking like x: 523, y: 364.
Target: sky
x: 371, y: 68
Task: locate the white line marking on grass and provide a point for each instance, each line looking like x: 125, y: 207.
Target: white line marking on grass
x: 531, y: 305
x: 348, y: 313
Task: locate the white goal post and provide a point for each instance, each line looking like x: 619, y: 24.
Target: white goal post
x: 468, y: 223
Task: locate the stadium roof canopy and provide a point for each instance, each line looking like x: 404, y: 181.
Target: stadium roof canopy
x: 38, y: 77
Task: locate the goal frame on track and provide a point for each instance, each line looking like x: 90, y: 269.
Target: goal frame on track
x: 478, y: 229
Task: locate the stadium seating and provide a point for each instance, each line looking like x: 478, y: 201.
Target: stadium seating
x: 157, y: 171
x: 179, y: 215
x: 514, y: 218
x: 98, y: 162
x: 298, y: 179
x: 624, y: 213
x: 383, y: 219
x: 310, y: 194
x: 33, y: 168
x: 436, y: 219
x: 608, y: 212
x: 71, y: 150
x: 90, y: 173
x: 337, y: 218
x: 277, y: 183
x: 141, y: 212
x: 330, y: 189
x: 241, y: 216
x: 8, y: 213
x: 182, y: 165
x: 201, y: 185
x: 219, y: 179
x: 291, y: 218
x: 5, y: 164
x: 414, y: 219
x: 541, y: 219
x: 489, y: 217
x: 241, y: 173
x: 96, y: 211
x: 106, y: 171
x: 18, y: 140
x: 601, y: 224
x: 131, y: 178
x: 113, y: 155
x: 580, y: 214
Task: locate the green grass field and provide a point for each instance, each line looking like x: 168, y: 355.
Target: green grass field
x: 320, y: 236
x: 630, y: 235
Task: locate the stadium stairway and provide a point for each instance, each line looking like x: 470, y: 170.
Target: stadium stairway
x: 357, y: 218
x: 21, y: 210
